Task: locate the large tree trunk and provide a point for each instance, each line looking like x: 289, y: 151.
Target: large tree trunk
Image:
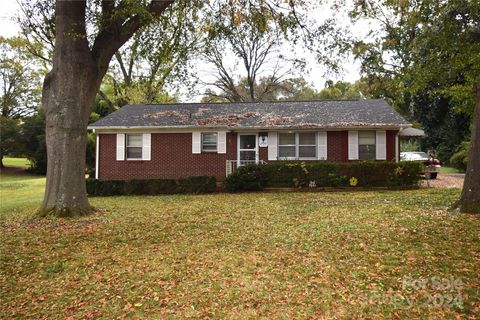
x: 470, y: 199
x: 68, y: 96
x: 69, y: 93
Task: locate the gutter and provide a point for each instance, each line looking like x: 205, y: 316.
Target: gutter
x: 233, y: 128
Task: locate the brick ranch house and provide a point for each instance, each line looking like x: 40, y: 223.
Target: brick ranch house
x: 180, y: 140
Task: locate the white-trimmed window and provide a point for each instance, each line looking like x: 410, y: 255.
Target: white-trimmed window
x: 366, y: 145
x: 209, y: 142
x: 307, y: 145
x: 134, y: 143
x: 287, y: 146
x: 297, y: 145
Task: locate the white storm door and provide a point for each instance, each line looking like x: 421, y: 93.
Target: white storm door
x: 247, y: 148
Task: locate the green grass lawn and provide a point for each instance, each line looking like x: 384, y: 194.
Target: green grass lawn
x: 16, y: 162
x: 20, y: 191
x: 449, y: 170
x: 237, y: 256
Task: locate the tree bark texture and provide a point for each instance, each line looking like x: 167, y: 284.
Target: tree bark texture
x: 470, y: 198
x: 68, y: 95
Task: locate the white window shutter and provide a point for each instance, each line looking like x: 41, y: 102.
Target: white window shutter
x: 120, y: 146
x: 222, y: 142
x: 353, y: 145
x: 146, y: 146
x: 196, y: 142
x: 322, y: 145
x: 381, y: 145
x: 272, y: 146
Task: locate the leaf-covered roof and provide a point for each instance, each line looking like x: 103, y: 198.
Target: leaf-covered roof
x: 279, y: 114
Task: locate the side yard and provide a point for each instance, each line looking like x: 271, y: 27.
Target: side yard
x: 22, y: 163
x: 19, y: 191
x: 396, y: 254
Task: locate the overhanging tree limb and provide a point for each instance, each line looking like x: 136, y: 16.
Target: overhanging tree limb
x: 116, y: 32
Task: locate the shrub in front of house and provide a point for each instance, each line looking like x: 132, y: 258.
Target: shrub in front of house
x: 150, y: 187
x: 105, y: 187
x: 250, y: 177
x: 324, y: 174
x: 195, y: 185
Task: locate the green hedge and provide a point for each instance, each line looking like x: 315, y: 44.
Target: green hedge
x: 196, y: 185
x: 324, y: 174
x: 250, y: 177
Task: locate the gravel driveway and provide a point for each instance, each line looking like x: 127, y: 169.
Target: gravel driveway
x: 446, y: 180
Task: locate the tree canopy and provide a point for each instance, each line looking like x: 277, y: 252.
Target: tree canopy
x: 429, y: 52
x: 20, y: 78
x: 423, y: 59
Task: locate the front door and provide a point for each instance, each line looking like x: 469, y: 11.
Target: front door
x: 247, y: 149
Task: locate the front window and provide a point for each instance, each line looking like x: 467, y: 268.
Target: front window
x: 301, y: 145
x: 307, y: 147
x: 366, y: 145
x: 134, y: 146
x: 286, y: 145
x: 209, y: 142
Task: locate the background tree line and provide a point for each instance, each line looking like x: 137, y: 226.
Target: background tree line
x: 159, y: 61
x: 155, y: 62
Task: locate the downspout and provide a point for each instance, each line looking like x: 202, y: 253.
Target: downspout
x: 97, y: 147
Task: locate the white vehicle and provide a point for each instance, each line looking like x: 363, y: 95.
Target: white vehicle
x: 432, y: 165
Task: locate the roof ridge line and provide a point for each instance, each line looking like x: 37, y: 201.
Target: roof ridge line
x: 250, y: 102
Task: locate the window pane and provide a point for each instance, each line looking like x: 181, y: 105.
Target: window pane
x: 209, y: 141
x: 134, y: 140
x: 366, y: 152
x: 209, y: 148
x: 209, y: 137
x: 248, y: 142
x: 286, y: 138
x: 307, y: 152
x: 366, y: 137
x: 247, y: 155
x: 134, y: 153
x: 307, y: 138
x: 286, y: 152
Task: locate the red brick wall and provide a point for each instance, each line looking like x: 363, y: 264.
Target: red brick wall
x: 337, y: 146
x: 171, y: 158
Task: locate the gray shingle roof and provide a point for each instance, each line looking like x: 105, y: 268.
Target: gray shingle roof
x: 281, y: 114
